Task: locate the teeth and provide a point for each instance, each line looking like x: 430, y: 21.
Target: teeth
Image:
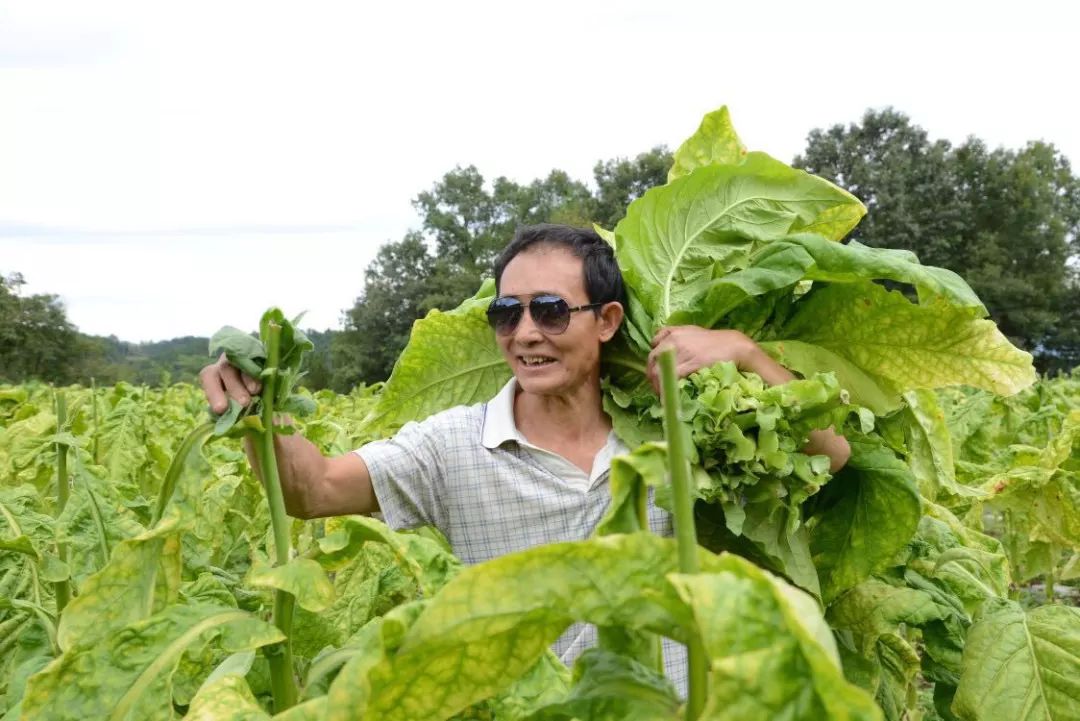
x: 536, y: 360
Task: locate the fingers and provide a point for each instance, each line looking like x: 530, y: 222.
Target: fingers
x: 210, y: 379
x: 221, y: 381
x: 687, y: 367
x: 661, y: 335
x: 672, y: 332
x: 234, y: 384
x: 251, y: 384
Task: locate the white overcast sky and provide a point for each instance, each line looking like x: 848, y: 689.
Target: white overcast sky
x: 168, y: 168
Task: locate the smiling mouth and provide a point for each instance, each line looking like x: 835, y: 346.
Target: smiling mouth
x: 536, y: 361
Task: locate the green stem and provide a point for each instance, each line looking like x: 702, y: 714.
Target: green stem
x: 279, y: 655
x: 196, y: 438
x: 685, y: 533
x: 93, y: 411
x: 63, y: 588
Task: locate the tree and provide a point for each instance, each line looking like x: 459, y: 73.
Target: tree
x: 1003, y: 219
x: 396, y: 292
x: 621, y: 181
x: 36, y: 339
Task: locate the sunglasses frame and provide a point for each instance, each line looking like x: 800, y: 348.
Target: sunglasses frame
x: 518, y: 311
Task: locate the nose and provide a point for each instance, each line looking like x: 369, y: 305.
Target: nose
x: 527, y: 331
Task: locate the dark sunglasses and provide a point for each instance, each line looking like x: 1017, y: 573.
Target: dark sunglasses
x: 550, y: 313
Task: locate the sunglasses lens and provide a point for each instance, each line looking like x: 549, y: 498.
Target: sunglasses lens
x: 503, y: 314
x: 550, y: 313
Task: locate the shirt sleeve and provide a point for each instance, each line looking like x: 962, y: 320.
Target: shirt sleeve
x: 406, y: 475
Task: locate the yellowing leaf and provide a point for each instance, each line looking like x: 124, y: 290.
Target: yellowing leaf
x: 1021, y: 665
x: 714, y: 143
x: 126, y: 676
x: 227, y: 699
x: 302, y: 577
x: 880, y: 345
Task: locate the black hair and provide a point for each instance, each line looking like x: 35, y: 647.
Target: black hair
x: 603, y: 279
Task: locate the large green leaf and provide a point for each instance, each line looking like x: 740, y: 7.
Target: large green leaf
x: 880, y: 345
x: 1021, y: 665
x: 673, y: 237
x: 94, y: 520
x: 452, y: 359
x: 875, y: 511
x: 122, y: 440
x: 1041, y: 494
x: 427, y: 559
x: 713, y: 143
x: 304, y: 578
x: 770, y: 652
x: 126, y: 676
x: 26, y: 533
x: 806, y: 256
x: 31, y: 652
x: 506, y: 612
x: 491, y: 623
x: 142, y: 577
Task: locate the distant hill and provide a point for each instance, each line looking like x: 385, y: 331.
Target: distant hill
x: 107, y: 359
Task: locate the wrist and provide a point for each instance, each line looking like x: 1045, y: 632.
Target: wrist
x: 747, y: 352
x: 756, y: 360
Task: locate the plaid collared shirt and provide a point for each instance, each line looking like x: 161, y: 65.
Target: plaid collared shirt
x: 470, y: 473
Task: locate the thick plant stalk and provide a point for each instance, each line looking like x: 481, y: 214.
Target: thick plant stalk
x: 278, y: 655
x: 63, y: 588
x: 94, y: 412
x: 685, y: 533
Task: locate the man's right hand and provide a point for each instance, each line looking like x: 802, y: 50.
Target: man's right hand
x: 313, y: 485
x: 222, y: 381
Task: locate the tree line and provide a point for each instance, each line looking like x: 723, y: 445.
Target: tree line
x: 1007, y: 220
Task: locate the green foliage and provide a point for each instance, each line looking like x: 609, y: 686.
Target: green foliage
x: 678, y: 237
x: 747, y: 439
x: 1037, y: 651
x: 1003, y: 218
x: 35, y: 335
x: 1018, y: 460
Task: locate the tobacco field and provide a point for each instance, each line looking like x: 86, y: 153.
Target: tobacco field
x: 146, y: 573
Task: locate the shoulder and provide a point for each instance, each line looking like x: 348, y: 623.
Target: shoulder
x: 449, y: 423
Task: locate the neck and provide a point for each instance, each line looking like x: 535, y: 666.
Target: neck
x: 575, y: 417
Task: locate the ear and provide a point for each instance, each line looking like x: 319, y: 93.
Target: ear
x: 611, y: 316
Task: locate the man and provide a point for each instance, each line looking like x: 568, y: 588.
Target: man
x: 531, y: 465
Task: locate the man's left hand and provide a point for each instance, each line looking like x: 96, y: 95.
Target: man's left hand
x: 696, y: 348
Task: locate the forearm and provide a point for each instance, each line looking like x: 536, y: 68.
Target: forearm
x: 825, y: 442
x: 315, y: 486
x: 301, y: 468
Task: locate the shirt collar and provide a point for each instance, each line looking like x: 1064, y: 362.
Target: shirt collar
x: 499, y: 425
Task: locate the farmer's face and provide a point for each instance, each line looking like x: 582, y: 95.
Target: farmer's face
x: 544, y: 362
